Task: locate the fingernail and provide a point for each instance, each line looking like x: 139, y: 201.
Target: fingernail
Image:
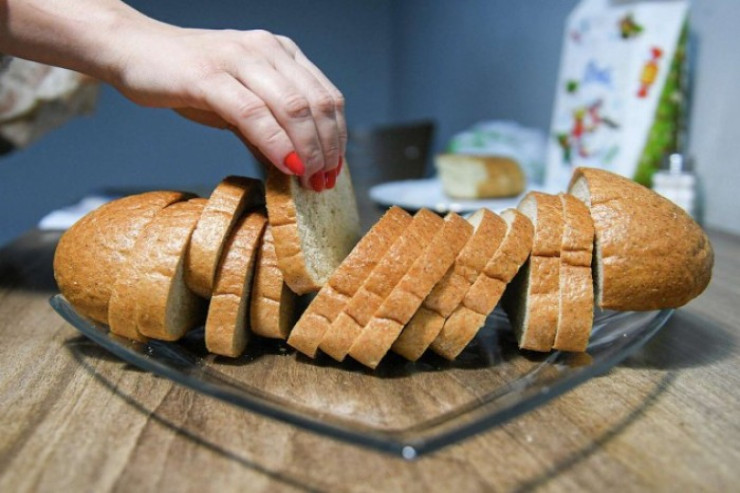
x: 339, y: 166
x: 294, y: 164
x: 330, y: 178
x: 317, y: 181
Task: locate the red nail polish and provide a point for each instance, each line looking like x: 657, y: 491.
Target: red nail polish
x: 339, y: 166
x: 331, y: 178
x: 294, y: 164
x: 317, y: 181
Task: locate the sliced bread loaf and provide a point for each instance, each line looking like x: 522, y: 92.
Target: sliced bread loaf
x: 272, y: 309
x: 649, y: 254
x: 94, y: 250
x: 166, y: 307
x: 399, y: 306
x: 470, y: 176
x: 313, y: 231
x: 488, y: 230
x: 226, y: 324
x: 576, y: 283
x: 346, y: 280
x: 480, y: 300
x: 388, y: 272
x: 533, y: 297
x: 227, y: 202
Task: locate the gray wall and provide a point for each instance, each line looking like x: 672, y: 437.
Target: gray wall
x: 456, y: 61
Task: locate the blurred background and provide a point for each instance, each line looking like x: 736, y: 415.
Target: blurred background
x: 455, y: 63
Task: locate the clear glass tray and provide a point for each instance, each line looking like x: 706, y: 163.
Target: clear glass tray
x: 403, y: 408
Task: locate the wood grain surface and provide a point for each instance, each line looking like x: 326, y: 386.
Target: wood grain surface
x: 74, y: 418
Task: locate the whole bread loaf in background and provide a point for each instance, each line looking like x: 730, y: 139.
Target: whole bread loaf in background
x: 91, y: 253
x: 465, y: 176
x: 649, y: 253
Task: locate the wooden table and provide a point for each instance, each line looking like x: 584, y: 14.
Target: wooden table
x: 73, y: 418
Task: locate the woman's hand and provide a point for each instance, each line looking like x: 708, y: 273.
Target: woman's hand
x: 257, y: 84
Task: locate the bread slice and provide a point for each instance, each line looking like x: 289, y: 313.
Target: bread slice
x: 576, y: 283
x: 649, y: 253
x: 488, y: 230
x: 346, y: 280
x: 533, y: 298
x: 480, y: 300
x: 313, y: 231
x: 165, y: 307
x: 468, y: 176
x: 396, y: 310
x: 226, y: 324
x: 272, y: 309
x: 388, y: 272
x: 228, y: 200
x: 94, y: 250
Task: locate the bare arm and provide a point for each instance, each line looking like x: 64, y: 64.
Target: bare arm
x: 253, y: 82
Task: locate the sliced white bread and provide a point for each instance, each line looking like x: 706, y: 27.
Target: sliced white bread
x: 166, y: 308
x: 346, y: 280
x: 468, y: 176
x: 229, y: 199
x: 488, y: 230
x: 649, y: 254
x: 480, y: 300
x: 388, y: 272
x: 313, y: 231
x: 576, y: 283
x: 93, y: 251
x: 272, y: 310
x: 532, y: 299
x: 228, y: 313
x: 396, y: 310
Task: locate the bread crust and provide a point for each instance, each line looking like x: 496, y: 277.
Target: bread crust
x: 346, y: 280
x: 532, y: 301
x: 481, y: 299
x: 272, y: 307
x: 388, y: 272
x: 282, y: 195
x: 425, y: 326
x: 93, y: 251
x: 576, y: 283
x: 650, y: 254
x: 226, y: 325
x: 407, y: 296
x: 499, y: 176
x: 165, y: 307
x: 231, y: 197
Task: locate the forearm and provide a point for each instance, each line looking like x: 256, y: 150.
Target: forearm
x: 82, y: 35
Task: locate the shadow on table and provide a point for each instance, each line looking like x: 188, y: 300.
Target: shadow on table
x: 687, y: 340
x: 83, y: 349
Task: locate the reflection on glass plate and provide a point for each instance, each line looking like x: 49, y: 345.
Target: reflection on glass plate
x: 403, y: 408
x: 428, y: 193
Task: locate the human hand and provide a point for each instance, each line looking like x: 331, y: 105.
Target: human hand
x: 259, y: 85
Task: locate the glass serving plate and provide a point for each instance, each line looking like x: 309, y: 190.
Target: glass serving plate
x: 403, y: 408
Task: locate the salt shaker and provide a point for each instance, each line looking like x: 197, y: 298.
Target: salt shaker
x: 677, y: 183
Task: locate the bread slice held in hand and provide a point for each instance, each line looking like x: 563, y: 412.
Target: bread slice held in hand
x: 488, y: 230
x: 166, y: 308
x: 313, y: 231
x: 576, y: 283
x: 346, y: 280
x: 388, y: 272
x: 532, y: 299
x: 93, y: 251
x: 399, y: 306
x: 229, y: 199
x: 228, y: 312
x: 484, y: 294
x: 649, y: 253
x: 273, y: 305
